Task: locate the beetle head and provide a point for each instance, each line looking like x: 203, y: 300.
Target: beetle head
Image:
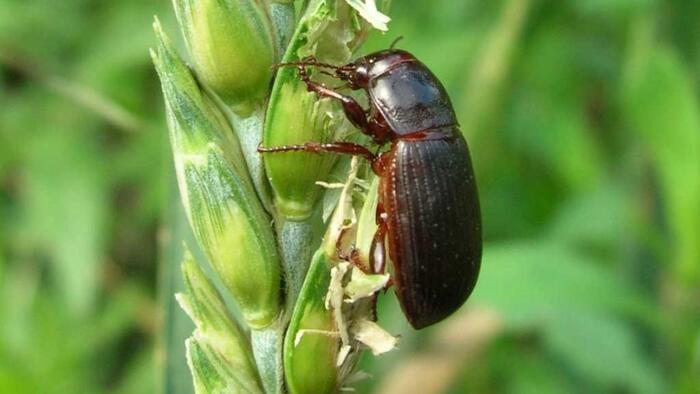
x: 354, y: 74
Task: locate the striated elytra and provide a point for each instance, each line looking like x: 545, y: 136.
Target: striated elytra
x: 428, y: 217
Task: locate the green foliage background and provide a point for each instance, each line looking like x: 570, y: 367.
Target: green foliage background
x: 584, y: 124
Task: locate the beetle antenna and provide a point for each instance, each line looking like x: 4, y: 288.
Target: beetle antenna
x: 396, y: 40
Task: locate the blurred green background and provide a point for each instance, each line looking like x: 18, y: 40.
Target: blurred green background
x: 584, y: 124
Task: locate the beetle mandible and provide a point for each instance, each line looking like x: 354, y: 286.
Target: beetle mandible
x: 428, y: 210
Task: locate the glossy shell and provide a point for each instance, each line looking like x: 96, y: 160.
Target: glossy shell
x: 411, y: 98
x: 434, y: 226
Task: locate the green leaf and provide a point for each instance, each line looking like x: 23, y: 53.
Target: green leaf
x: 550, y: 122
x: 530, y: 282
x: 66, y: 212
x: 600, y: 218
x: 663, y: 111
x: 604, y: 350
x: 488, y: 77
x: 611, y: 8
x: 578, y: 306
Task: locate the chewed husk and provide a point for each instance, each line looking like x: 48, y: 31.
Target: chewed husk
x: 352, y: 323
x: 343, y: 354
x: 367, y: 222
x: 377, y: 339
x: 344, y: 216
x: 321, y: 317
x: 334, y: 300
x: 345, y: 292
x: 357, y: 377
x: 303, y: 332
x: 369, y: 12
x: 333, y: 185
x: 359, y: 328
x: 364, y: 285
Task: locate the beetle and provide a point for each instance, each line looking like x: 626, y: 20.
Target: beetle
x: 428, y: 217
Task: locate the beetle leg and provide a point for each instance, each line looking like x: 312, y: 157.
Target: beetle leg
x: 377, y: 254
x: 347, y: 148
x: 353, y: 110
x: 352, y: 256
x: 355, y: 259
x: 389, y: 284
x: 377, y: 250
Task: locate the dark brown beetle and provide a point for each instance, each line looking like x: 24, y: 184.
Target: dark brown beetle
x: 428, y: 212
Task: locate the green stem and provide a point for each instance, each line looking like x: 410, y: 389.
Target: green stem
x: 297, y: 242
x: 492, y: 68
x: 283, y: 20
x: 249, y: 130
x: 267, y: 350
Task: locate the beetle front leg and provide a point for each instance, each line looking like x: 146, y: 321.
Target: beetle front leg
x: 347, y: 148
x: 353, y: 110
